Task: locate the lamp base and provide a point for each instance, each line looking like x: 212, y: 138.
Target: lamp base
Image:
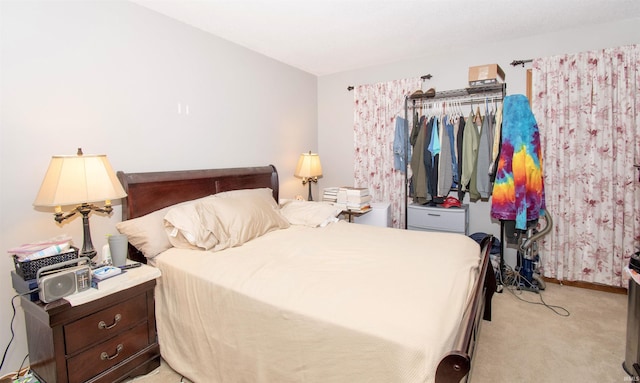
x: 87, y: 246
x: 309, y: 181
x: 85, y: 209
x: 89, y: 254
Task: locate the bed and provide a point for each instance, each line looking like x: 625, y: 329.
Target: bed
x: 300, y: 299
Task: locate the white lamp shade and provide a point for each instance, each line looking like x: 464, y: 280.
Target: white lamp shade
x: 78, y: 179
x: 308, y: 166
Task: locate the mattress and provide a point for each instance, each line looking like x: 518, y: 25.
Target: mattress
x: 341, y: 303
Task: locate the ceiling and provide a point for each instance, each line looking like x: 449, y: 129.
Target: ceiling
x: 329, y: 36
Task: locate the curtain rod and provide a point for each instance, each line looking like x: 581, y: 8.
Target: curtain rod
x: 520, y: 62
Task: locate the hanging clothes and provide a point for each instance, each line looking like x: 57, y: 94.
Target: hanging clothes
x: 451, y: 180
x: 419, y: 177
x: 399, y: 143
x: 431, y: 159
x: 445, y: 173
x: 450, y: 152
x: 460, y: 151
x: 496, y: 144
x: 470, y: 142
x: 434, y: 144
x: 483, y: 164
x: 451, y: 132
x: 518, y: 192
x: 415, y: 130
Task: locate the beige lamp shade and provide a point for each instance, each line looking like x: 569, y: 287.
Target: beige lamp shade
x: 308, y: 166
x: 79, y: 179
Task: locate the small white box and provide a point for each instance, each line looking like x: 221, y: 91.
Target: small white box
x: 105, y: 272
x: 380, y: 215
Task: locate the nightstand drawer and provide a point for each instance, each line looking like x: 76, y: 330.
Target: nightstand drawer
x: 104, y: 324
x: 433, y: 218
x: 107, y: 354
x: 66, y: 344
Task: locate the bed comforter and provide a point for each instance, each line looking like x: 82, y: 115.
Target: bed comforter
x: 341, y: 303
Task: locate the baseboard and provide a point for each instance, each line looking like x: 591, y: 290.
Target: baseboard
x: 588, y: 285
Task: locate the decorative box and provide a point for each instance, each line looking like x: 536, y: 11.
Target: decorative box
x: 28, y: 269
x: 485, y: 75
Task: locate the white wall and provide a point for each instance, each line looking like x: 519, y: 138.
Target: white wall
x: 108, y: 76
x: 450, y: 70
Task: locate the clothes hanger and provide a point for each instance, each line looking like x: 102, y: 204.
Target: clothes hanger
x: 478, y: 117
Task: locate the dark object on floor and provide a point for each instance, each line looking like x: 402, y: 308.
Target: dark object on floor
x: 634, y: 262
x: 495, y: 247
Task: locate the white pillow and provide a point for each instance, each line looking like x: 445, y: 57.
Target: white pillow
x: 147, y: 233
x: 185, y: 229
x: 151, y: 234
x: 307, y: 213
x: 235, y: 220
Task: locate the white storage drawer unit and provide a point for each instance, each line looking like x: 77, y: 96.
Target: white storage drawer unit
x: 380, y: 215
x: 434, y: 218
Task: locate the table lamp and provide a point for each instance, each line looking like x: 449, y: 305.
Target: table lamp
x: 80, y: 180
x: 309, y: 169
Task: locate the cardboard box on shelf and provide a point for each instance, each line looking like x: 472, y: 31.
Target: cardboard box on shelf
x: 485, y: 75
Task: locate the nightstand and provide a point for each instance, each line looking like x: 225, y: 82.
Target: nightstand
x: 109, y: 338
x: 435, y: 218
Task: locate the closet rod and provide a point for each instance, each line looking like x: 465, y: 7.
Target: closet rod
x: 477, y: 91
x: 457, y: 100
x: 469, y: 101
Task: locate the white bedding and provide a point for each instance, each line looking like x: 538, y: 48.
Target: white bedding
x: 343, y: 303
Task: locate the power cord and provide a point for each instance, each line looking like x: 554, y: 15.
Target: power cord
x: 513, y: 280
x: 23, y: 375
x: 26, y: 369
x: 13, y: 334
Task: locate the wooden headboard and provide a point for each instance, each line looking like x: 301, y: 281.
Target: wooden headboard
x: 148, y: 192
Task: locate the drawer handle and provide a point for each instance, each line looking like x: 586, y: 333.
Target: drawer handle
x: 433, y: 215
x: 103, y: 326
x: 105, y: 356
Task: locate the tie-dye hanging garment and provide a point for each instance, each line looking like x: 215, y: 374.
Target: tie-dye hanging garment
x: 518, y: 191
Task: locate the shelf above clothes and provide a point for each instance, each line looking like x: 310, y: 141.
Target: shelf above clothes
x: 465, y: 95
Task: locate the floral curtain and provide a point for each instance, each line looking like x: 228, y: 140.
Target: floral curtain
x: 587, y: 107
x: 375, y: 111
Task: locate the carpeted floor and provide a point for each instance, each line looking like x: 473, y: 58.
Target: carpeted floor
x: 530, y: 343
